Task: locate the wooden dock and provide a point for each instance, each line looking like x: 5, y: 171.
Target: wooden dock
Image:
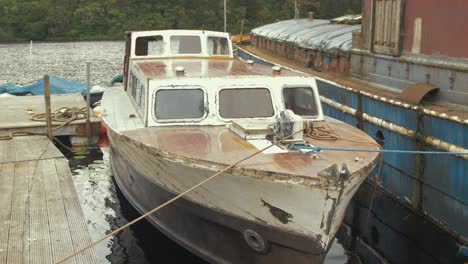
x: 41, y: 220
x: 15, y: 116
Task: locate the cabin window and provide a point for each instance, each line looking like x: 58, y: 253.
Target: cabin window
x: 179, y: 104
x: 138, y: 93
x: 186, y: 45
x: 149, y: 46
x: 245, y: 103
x: 133, y: 84
x: 142, y: 97
x: 301, y: 100
x: 218, y: 46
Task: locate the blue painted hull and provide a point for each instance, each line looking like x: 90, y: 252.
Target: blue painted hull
x: 434, y: 186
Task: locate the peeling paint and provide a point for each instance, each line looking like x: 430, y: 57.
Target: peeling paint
x: 283, y: 216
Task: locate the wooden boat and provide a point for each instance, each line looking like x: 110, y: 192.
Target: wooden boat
x: 188, y: 110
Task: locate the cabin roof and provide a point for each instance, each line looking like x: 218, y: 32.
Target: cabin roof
x: 166, y: 68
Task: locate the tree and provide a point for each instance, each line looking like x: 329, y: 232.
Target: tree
x: 108, y: 19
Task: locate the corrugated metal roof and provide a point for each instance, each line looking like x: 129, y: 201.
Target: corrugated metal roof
x: 314, y: 34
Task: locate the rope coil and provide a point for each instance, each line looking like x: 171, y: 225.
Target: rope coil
x: 63, y: 114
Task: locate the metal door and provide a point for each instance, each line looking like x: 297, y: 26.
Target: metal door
x: 387, y: 17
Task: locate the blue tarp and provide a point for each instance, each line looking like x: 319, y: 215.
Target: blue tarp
x: 57, y: 86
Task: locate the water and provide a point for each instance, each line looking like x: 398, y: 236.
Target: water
x: 105, y: 209
x: 391, y: 234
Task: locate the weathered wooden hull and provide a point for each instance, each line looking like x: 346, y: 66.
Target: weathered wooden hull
x: 297, y: 223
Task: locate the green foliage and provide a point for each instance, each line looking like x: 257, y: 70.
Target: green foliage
x: 109, y: 19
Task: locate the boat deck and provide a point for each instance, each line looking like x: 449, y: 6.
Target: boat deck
x: 15, y: 116
x: 219, y: 145
x: 41, y: 220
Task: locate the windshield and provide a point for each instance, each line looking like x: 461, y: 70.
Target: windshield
x: 185, y: 45
x: 149, y: 46
x: 218, y: 46
x: 179, y: 104
x: 300, y: 100
x: 245, y: 103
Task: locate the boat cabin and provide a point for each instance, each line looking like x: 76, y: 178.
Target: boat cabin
x: 190, y: 78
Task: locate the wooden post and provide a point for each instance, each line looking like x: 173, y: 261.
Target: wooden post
x: 47, y: 106
x: 88, y: 100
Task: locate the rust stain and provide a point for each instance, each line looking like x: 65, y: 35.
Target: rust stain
x: 331, y: 214
x: 283, y: 216
x: 415, y: 93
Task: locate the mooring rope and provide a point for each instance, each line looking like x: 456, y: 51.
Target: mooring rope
x: 427, y: 152
x: 176, y: 198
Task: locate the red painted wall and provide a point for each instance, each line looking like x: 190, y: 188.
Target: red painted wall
x: 444, y: 26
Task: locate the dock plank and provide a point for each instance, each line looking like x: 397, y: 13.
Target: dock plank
x: 3, y: 144
x: 43, y: 148
x: 9, y: 151
x: 62, y: 245
x: 18, y: 246
x: 40, y: 244
x: 41, y: 220
x: 6, y: 193
x: 75, y: 215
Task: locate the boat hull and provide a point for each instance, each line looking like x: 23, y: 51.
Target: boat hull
x: 189, y: 224
x: 218, y: 220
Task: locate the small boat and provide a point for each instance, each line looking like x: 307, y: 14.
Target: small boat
x: 188, y: 110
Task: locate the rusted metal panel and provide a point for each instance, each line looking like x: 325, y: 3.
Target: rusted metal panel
x: 416, y: 92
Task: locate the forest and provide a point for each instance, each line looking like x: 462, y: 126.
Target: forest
x: 63, y: 20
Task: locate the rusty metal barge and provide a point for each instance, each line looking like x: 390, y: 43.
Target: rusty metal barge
x: 189, y: 110
x: 398, y: 72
